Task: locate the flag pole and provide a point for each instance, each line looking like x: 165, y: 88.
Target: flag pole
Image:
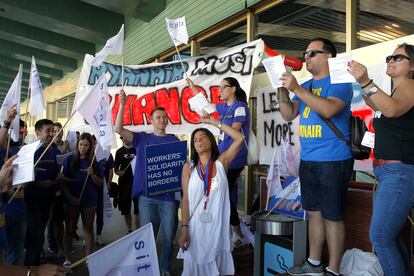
x: 87, y: 176
x: 43, y: 153
x: 182, y: 64
x: 122, y: 73
x: 8, y: 144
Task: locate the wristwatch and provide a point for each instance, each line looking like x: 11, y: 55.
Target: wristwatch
x: 372, y: 91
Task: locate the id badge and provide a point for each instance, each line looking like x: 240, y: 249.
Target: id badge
x: 205, y: 217
x: 368, y: 140
x: 221, y: 136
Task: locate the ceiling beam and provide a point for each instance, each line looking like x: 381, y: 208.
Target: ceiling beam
x: 43, y: 70
x: 44, y: 58
x: 44, y: 40
x: 72, y: 18
x: 9, y: 80
x: 12, y: 73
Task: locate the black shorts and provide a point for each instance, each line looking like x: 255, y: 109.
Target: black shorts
x: 57, y: 213
x: 125, y: 200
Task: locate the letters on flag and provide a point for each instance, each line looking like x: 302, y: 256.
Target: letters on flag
x: 163, y: 84
x: 177, y: 30
x: 134, y: 254
x: 95, y: 109
x: 13, y: 97
x: 37, y: 101
x: 108, y: 209
x: 114, y: 46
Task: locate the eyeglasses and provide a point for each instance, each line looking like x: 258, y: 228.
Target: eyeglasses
x: 312, y: 53
x: 224, y: 87
x: 396, y: 58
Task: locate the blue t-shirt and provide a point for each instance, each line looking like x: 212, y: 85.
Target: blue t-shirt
x: 46, y: 169
x: 237, y: 112
x: 318, y: 142
x: 107, y: 164
x: 91, y: 190
x: 17, y: 207
x: 140, y: 140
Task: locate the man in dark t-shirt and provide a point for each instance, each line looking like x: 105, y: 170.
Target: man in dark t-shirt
x: 123, y: 159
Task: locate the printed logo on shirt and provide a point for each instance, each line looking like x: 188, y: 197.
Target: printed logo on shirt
x: 306, y: 112
x: 310, y: 131
x: 240, y: 111
x: 317, y: 91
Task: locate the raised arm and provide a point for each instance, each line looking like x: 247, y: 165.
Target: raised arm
x: 288, y: 109
x: 119, y: 123
x: 4, y: 131
x: 238, y: 140
x: 194, y: 88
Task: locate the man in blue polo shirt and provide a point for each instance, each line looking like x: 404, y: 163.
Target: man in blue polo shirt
x: 326, y: 161
x: 40, y: 193
x: 162, y: 208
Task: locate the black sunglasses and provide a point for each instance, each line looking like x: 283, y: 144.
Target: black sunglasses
x: 396, y: 58
x: 312, y: 53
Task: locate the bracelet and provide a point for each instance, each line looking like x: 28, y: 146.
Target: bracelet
x: 184, y: 225
x: 370, y: 81
x: 6, y: 124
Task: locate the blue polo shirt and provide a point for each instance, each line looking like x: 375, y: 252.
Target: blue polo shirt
x: 237, y: 112
x: 318, y: 142
x: 46, y: 169
x: 140, y: 141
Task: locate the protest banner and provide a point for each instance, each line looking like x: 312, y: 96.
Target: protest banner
x: 164, y: 165
x: 163, y: 84
x: 134, y: 254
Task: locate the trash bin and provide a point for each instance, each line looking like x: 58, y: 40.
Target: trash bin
x: 280, y: 242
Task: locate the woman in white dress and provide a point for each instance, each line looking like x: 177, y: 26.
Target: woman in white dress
x: 205, y: 238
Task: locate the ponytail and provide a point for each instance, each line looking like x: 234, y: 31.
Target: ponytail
x: 240, y: 94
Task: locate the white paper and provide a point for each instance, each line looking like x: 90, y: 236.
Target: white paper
x: 275, y: 68
x: 338, y: 69
x: 24, y: 172
x: 200, y: 105
x: 368, y: 140
x: 61, y: 157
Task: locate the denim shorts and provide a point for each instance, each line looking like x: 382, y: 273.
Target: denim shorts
x: 324, y: 185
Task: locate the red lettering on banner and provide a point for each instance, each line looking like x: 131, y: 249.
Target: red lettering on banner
x: 143, y: 106
x: 215, y: 94
x: 169, y: 100
x: 188, y: 114
x: 127, y: 110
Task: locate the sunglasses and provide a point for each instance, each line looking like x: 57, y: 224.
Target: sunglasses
x: 396, y: 58
x: 312, y: 53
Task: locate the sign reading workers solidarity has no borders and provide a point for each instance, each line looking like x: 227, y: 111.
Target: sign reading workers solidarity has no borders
x: 163, y: 167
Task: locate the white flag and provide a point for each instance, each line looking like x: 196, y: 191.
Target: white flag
x: 177, y: 30
x: 96, y: 110
x: 108, y: 209
x: 274, y: 185
x: 114, y: 46
x: 13, y: 97
x: 134, y: 254
x: 101, y: 153
x: 37, y: 101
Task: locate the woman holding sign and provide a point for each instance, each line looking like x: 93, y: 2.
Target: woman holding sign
x: 80, y: 196
x: 394, y: 156
x: 235, y: 113
x: 205, y: 238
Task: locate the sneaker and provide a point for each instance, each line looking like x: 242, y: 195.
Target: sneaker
x: 328, y: 273
x: 307, y: 268
x: 238, y: 241
x: 98, y: 240
x: 67, y: 263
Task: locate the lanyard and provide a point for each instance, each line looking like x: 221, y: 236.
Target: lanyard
x: 207, y: 175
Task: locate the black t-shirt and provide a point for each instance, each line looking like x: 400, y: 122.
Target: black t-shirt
x: 123, y: 157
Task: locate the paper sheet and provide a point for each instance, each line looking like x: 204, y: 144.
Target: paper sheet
x: 338, y: 69
x: 275, y: 68
x: 200, y: 105
x: 24, y: 172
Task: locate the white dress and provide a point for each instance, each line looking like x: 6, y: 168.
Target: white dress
x: 209, y: 252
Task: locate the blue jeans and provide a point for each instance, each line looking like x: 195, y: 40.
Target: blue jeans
x: 393, y: 201
x: 16, y: 236
x: 164, y: 212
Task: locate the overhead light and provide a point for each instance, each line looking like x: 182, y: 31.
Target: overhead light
x: 388, y: 27
x: 395, y: 25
